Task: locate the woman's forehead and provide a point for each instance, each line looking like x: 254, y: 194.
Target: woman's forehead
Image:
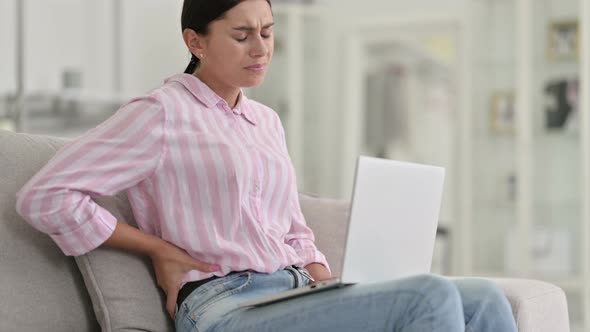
x: 249, y: 13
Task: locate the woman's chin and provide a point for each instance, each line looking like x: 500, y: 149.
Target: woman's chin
x: 252, y: 82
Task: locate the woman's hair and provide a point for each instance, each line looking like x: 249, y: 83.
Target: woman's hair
x: 197, y: 14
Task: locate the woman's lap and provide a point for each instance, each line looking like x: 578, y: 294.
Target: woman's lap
x: 421, y: 303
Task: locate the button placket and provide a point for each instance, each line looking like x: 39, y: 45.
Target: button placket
x: 246, y: 198
x: 254, y: 187
x: 256, y: 190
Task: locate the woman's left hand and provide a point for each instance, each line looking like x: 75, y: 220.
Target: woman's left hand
x: 318, y: 271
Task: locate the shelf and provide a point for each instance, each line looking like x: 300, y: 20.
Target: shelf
x: 493, y: 204
x: 492, y: 64
x: 543, y: 135
x: 545, y: 203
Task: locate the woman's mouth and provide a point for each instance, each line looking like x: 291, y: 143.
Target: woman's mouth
x: 256, y: 68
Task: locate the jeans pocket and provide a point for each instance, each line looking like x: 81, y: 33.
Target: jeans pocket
x: 229, y: 286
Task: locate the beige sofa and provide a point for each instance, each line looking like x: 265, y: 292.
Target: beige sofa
x: 42, y: 290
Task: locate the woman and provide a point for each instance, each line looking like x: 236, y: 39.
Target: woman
x: 214, y: 194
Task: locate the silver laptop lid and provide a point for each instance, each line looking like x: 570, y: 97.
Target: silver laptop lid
x: 393, y: 219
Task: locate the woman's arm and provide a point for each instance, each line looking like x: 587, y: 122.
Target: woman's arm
x: 170, y: 262
x: 114, y: 156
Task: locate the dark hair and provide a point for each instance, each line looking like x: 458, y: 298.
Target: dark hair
x: 197, y: 14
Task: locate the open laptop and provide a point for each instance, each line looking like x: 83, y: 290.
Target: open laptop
x: 392, y: 225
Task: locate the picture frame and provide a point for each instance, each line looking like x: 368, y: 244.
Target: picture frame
x: 563, y: 41
x: 502, y: 112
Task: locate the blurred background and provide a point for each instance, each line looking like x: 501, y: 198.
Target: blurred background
x: 496, y: 91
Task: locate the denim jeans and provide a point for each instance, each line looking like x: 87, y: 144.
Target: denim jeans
x: 421, y: 303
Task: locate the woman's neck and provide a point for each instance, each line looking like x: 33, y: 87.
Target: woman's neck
x: 229, y: 94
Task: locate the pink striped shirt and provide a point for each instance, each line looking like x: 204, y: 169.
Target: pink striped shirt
x: 215, y: 181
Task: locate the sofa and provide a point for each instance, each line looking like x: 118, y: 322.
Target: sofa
x: 110, y: 290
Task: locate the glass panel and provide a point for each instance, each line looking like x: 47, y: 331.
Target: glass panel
x: 556, y: 153
x: 556, y: 166
x: 494, y: 132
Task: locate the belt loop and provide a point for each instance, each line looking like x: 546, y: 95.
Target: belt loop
x: 296, y: 275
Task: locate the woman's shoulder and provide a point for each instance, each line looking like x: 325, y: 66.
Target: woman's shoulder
x: 263, y: 110
x: 166, y: 94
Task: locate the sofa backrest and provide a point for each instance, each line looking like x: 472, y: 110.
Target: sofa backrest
x: 41, y: 289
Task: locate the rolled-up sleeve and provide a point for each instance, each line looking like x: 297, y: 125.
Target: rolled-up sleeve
x: 108, y: 159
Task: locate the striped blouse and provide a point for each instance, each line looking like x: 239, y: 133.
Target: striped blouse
x: 215, y: 181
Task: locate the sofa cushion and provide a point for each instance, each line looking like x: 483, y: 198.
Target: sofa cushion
x: 329, y: 220
x: 122, y: 285
x: 42, y: 290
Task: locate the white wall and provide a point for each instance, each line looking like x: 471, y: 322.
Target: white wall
x: 62, y: 34
x: 97, y: 46
x: 7, y: 46
x: 78, y: 33
x: 153, y: 46
x: 394, y: 7
x: 55, y: 32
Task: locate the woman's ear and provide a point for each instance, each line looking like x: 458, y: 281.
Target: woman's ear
x: 194, y: 41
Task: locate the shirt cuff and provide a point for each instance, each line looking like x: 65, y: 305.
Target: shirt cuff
x: 88, y: 236
x: 310, y: 256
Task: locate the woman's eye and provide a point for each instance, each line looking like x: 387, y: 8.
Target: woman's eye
x: 266, y: 33
x: 241, y: 39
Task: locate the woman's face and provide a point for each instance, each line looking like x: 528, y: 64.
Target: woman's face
x: 239, y: 47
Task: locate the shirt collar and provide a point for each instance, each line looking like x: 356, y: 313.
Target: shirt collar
x: 209, y: 98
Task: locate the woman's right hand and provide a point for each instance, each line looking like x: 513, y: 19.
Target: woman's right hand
x: 171, y: 265
x: 170, y: 262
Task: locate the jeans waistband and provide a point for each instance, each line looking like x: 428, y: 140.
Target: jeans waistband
x: 191, y: 286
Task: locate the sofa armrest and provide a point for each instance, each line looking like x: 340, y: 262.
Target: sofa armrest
x: 537, y: 306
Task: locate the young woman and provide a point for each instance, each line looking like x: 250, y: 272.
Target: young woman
x: 213, y: 191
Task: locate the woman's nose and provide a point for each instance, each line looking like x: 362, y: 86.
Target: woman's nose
x: 259, y: 47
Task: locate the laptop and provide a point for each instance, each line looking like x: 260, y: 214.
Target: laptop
x: 391, y: 228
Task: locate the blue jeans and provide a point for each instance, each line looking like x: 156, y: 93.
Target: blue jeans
x: 422, y: 303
